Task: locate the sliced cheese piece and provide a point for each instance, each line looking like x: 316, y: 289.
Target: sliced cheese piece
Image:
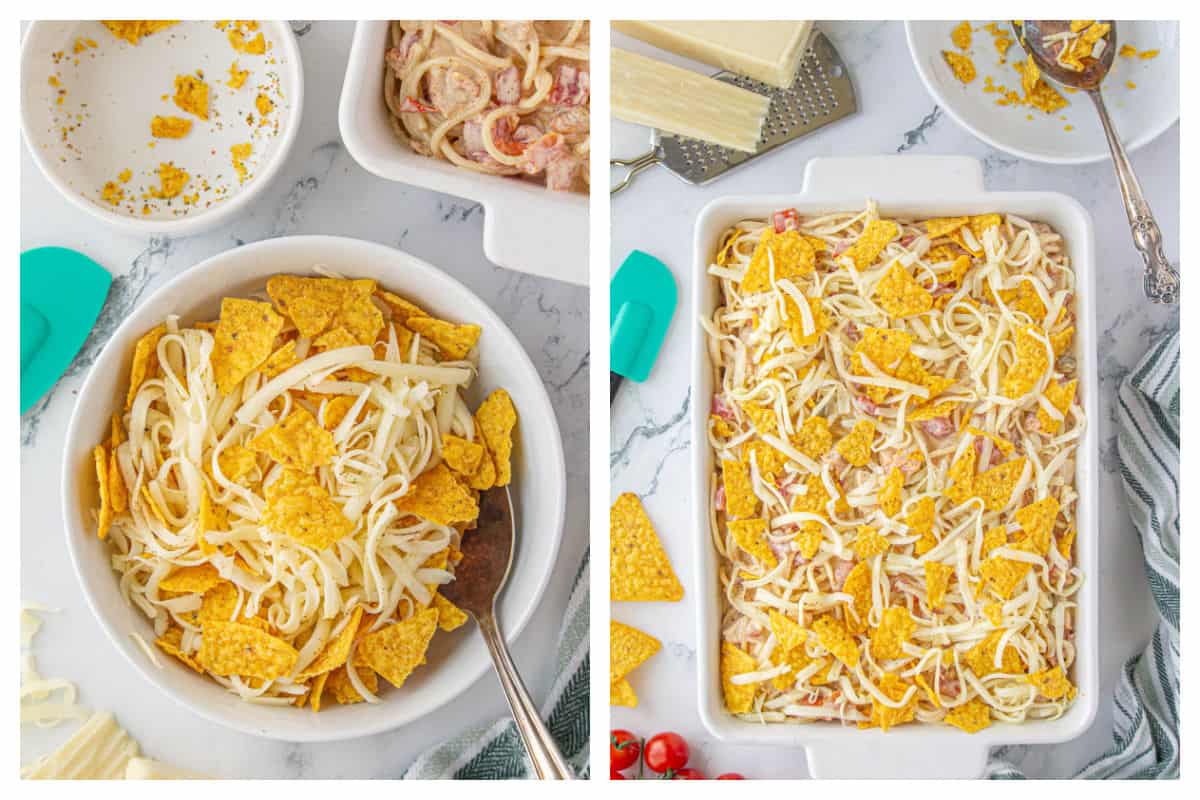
x: 99, y: 750
x: 675, y: 100
x: 766, y: 50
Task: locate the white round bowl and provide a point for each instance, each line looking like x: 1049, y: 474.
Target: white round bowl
x: 112, y: 92
x: 1140, y: 114
x: 455, y: 660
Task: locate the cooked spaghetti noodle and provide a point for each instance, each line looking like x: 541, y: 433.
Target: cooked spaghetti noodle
x: 894, y: 429
x: 493, y: 96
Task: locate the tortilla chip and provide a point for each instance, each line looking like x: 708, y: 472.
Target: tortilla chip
x: 855, y: 446
x: 740, y: 500
x: 336, y: 651
x: 336, y: 409
x: 315, y: 305
x: 1030, y: 364
x: 462, y: 456
x: 1060, y: 341
x: 334, y: 339
x: 485, y: 477
x: 1037, y: 523
x: 937, y: 581
x: 813, y: 438
x: 995, y: 486
x: 972, y: 716
x: 196, y: 579
x: 450, y: 616
x: 145, y: 361
x: 627, y: 649
x: 1061, y: 396
x: 762, y: 417
x: 858, y: 586
x: 398, y: 649
x: 639, y: 569
x: 942, y: 227
x: 751, y: 536
x: 620, y: 693
x: 870, y: 543
x: 401, y: 309
x: 437, y: 496
x: 298, y: 506
x: 900, y: 295
x: 281, y: 360
x: 455, y: 342
x: 875, y: 237
x: 921, y: 515
x: 1052, y: 683
x: 497, y: 418
x: 100, y: 456
x: 1003, y: 575
x: 795, y: 320
x: 244, y: 340
x: 790, y: 253
x: 788, y: 633
x: 297, y: 442
x: 317, y: 691
x: 770, y: 462
x: 884, y: 715
x: 739, y: 698
x: 339, y: 685
x: 895, y: 629
x: 232, y: 648
x: 982, y: 657
x: 889, y: 497
x: 834, y: 637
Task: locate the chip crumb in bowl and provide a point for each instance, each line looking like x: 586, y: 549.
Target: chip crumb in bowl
x: 160, y: 126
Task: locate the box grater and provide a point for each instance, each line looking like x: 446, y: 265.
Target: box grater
x: 822, y: 93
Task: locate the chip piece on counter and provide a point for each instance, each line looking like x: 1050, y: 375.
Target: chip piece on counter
x: 638, y: 564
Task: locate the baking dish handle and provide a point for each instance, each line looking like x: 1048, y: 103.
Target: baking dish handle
x: 884, y: 177
x: 901, y: 757
x: 517, y: 239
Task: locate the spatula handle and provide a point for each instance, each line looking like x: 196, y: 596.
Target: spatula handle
x: 542, y: 749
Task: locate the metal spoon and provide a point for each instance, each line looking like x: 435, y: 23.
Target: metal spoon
x: 1161, y: 280
x: 478, y: 578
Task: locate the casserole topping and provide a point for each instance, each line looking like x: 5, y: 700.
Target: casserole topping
x: 284, y: 489
x: 894, y: 429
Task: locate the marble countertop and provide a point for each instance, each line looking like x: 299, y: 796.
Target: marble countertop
x: 651, y: 440
x: 320, y: 190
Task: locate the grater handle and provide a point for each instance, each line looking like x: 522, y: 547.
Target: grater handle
x: 635, y: 165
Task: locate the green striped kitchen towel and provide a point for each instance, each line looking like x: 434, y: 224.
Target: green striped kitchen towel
x: 1146, y: 703
x: 492, y: 752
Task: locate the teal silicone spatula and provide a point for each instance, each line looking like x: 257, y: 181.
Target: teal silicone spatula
x: 642, y: 299
x: 62, y: 292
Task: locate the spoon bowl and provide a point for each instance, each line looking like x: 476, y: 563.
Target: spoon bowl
x: 1036, y: 36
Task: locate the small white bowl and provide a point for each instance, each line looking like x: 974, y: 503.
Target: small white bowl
x: 110, y: 92
x: 1140, y: 114
x: 455, y: 660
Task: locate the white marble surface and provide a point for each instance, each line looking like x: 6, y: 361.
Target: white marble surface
x: 320, y: 190
x: 650, y: 444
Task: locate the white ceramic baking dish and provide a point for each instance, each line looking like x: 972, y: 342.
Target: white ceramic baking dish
x: 525, y: 226
x: 538, y: 488
x: 915, y: 187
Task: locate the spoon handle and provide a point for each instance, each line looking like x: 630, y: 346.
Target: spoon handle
x: 543, y: 752
x: 1161, y: 280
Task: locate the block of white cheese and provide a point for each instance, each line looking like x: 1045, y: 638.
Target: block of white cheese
x: 649, y: 92
x: 766, y: 50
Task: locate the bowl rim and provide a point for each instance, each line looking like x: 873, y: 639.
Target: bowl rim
x: 208, y: 219
x: 944, y: 101
x: 365, y: 724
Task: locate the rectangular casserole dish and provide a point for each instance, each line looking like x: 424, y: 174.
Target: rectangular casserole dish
x: 911, y: 187
x: 526, y: 227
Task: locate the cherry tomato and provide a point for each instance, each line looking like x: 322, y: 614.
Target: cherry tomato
x: 688, y: 774
x: 731, y: 776
x: 623, y: 749
x: 666, y: 751
x: 613, y: 775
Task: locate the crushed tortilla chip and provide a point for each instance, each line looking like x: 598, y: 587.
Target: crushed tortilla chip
x: 961, y: 35
x: 244, y: 339
x: 899, y: 293
x: 296, y: 441
x: 870, y: 543
x: 1052, y: 683
x: 739, y: 698
x: 972, y: 716
x: 813, y: 438
x: 336, y: 651
x: 740, y: 500
x: 133, y: 30
x: 398, y: 649
x: 921, y: 515
x: 943, y: 227
x: 169, y: 127
x: 858, y: 585
x: 762, y: 417
x: 281, y: 360
x: 1061, y: 396
x: 789, y: 634
x: 639, y: 569
x: 628, y: 648
x: 233, y: 648
x: 1003, y: 575
x: 196, y: 579
x: 454, y: 341
x: 890, y: 499
x: 1037, y: 522
x: 462, y: 456
x: 171, y: 643
x: 145, y: 361
x: 874, y: 238
x: 883, y: 715
x: 450, y: 616
x: 834, y: 637
x: 1030, y: 364
x: 100, y: 456
x: 439, y: 497
x: 855, y: 446
x: 751, y: 536
x: 315, y: 305
x: 497, y: 417
x: 810, y: 538
x: 191, y: 95
x: 298, y: 506
x: 791, y: 254
x: 937, y: 581
x: 342, y: 689
x: 795, y: 321
x: 995, y: 486
x: 895, y: 629
x: 982, y: 657
x: 962, y: 66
